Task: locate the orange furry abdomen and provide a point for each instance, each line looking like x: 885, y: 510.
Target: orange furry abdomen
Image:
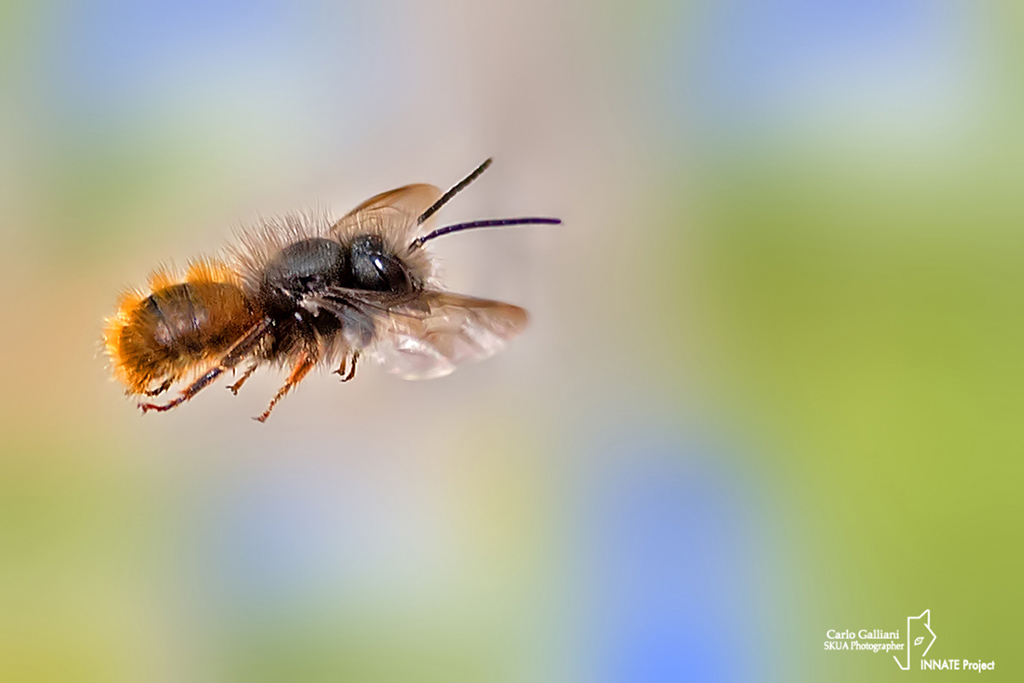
x: 177, y: 328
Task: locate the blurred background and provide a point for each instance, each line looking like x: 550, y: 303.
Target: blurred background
x: 772, y: 384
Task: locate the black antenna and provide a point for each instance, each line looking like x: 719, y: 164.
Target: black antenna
x: 493, y: 223
x: 446, y: 197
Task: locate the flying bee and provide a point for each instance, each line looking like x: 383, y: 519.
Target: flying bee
x: 302, y: 292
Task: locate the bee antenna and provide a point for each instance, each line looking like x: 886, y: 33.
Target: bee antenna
x: 494, y: 223
x: 446, y: 197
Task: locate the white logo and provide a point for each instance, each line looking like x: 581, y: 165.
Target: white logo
x: 914, y: 640
x: 917, y: 644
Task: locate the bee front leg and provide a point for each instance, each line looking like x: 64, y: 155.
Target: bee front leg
x: 352, y: 371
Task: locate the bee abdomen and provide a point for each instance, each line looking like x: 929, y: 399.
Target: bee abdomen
x: 166, y: 334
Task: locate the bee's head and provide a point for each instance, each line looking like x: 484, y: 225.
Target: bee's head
x: 375, y: 268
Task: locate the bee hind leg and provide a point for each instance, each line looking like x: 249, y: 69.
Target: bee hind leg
x: 235, y: 355
x: 185, y: 395
x: 299, y: 371
x: 160, y: 389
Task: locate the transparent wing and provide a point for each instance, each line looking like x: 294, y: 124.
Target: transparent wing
x: 431, y: 333
x: 394, y: 212
x: 414, y: 199
x: 438, y: 332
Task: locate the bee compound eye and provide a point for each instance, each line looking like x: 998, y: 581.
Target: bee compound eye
x: 375, y: 268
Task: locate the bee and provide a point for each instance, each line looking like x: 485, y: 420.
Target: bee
x: 303, y: 291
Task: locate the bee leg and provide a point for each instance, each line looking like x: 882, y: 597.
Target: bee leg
x: 352, y: 370
x: 160, y: 389
x: 241, y: 349
x: 301, y: 368
x: 185, y: 395
x: 241, y: 380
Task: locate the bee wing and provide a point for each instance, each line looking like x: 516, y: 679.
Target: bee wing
x: 438, y: 331
x: 432, y: 333
x: 413, y: 199
x: 394, y: 212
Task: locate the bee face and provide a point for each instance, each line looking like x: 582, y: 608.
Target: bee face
x: 375, y: 269
x: 305, y: 292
